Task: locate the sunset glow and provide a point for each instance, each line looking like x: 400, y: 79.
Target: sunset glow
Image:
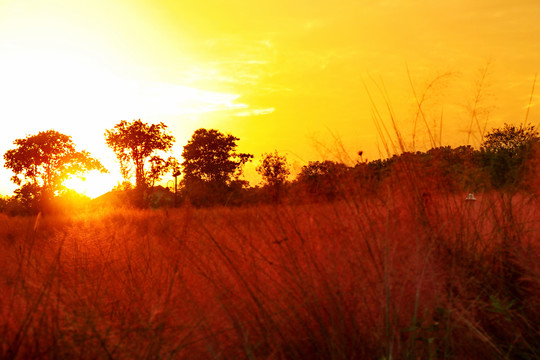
x: 91, y: 185
x: 280, y: 179
x: 288, y: 76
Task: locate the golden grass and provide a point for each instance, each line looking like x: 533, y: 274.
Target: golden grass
x: 390, y: 276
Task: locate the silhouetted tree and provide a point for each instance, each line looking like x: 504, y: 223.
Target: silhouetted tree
x: 42, y: 163
x: 211, y: 165
x: 510, y: 139
x: 137, y: 146
x: 505, y: 151
x: 274, y: 170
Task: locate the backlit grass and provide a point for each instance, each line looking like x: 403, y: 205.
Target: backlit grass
x: 392, y: 275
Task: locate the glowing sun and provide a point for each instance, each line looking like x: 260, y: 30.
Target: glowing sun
x: 92, y: 185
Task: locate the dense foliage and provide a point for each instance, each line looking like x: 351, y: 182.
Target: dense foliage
x: 212, y: 167
x: 505, y: 152
x: 138, y: 145
x: 42, y: 162
x: 274, y: 169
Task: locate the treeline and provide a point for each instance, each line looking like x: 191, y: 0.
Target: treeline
x: 211, y: 172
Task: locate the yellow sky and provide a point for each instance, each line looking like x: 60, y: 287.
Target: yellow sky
x: 287, y: 75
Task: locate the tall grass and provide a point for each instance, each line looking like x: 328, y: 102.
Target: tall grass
x: 393, y: 275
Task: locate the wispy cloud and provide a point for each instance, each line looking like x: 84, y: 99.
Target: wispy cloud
x: 256, y: 112
x: 176, y: 99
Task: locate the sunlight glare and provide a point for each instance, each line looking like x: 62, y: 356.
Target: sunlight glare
x: 92, y: 185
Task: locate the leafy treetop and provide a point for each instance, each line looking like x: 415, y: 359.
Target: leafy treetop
x: 510, y: 139
x: 505, y: 152
x: 274, y: 169
x: 45, y: 160
x: 137, y: 144
x: 211, y: 156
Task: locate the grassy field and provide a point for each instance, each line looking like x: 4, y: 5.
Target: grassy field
x: 395, y: 275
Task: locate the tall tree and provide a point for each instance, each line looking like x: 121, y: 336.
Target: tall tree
x: 212, y: 168
x: 139, y: 145
x: 211, y: 156
x: 42, y: 163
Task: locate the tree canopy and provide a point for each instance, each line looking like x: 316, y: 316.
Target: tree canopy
x: 42, y: 163
x: 137, y: 147
x: 505, y: 152
x: 274, y: 169
x: 510, y: 139
x: 212, y: 168
x: 211, y: 156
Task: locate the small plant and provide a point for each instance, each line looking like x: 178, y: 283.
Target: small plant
x: 502, y: 307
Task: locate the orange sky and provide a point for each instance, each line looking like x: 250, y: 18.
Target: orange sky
x: 287, y: 75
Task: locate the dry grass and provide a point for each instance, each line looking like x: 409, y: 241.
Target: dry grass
x: 391, y: 276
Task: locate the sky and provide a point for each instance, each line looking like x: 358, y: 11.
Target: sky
x: 314, y: 80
